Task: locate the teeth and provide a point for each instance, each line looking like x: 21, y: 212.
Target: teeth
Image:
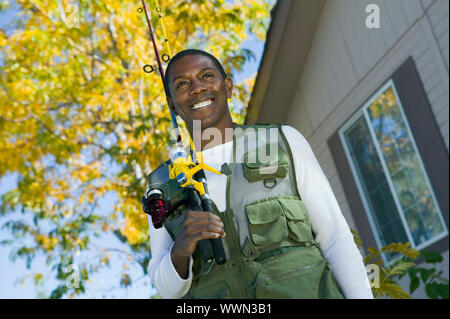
x: 202, y: 104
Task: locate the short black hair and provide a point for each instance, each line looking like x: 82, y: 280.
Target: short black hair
x: 184, y: 53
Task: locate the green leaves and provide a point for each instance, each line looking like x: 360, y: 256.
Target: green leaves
x: 415, y: 281
x: 435, y: 290
x: 426, y: 273
x: 435, y: 285
x: 432, y: 257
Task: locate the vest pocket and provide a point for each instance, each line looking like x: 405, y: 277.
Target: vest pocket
x: 300, y: 273
x: 266, y: 162
x: 297, y: 219
x: 277, y: 219
x: 300, y: 282
x: 267, y: 222
x: 217, y: 290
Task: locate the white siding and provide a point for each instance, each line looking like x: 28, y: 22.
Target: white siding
x: 426, y: 3
x: 438, y: 15
x: 437, y: 84
x: 347, y: 63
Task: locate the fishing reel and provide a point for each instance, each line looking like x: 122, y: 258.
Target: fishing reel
x: 183, y: 168
x: 154, y: 204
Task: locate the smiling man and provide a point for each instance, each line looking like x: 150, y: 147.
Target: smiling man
x: 198, y: 89
x: 283, y: 232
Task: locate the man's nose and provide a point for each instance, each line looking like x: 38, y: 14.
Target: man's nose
x: 197, y: 87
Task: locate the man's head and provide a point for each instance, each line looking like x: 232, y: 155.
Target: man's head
x: 198, y: 88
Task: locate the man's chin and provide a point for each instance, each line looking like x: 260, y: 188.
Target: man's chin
x: 203, y: 123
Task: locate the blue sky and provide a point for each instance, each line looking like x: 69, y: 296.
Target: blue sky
x: 11, y: 272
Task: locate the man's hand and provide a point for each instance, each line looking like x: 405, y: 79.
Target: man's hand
x: 197, y: 225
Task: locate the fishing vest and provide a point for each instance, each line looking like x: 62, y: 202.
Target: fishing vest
x: 270, y: 247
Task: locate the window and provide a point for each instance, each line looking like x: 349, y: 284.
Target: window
x: 390, y: 175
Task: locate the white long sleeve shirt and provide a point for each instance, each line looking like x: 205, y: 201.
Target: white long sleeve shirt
x: 332, y: 232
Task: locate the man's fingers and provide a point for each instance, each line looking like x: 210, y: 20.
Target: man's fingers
x: 201, y: 218
x: 206, y: 228
x: 203, y: 235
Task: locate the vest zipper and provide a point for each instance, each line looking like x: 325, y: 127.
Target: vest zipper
x: 255, y: 285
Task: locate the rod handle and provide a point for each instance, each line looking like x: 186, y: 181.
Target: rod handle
x: 205, y: 246
x: 217, y: 245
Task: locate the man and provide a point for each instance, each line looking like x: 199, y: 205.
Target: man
x: 281, y: 227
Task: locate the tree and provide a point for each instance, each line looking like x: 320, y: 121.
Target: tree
x: 80, y: 122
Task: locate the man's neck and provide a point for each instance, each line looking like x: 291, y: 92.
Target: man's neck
x: 213, y: 136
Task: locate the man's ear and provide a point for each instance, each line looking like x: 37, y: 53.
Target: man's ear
x: 172, y: 106
x: 229, y: 86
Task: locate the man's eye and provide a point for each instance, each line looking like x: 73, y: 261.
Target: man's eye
x: 208, y: 75
x: 180, y: 84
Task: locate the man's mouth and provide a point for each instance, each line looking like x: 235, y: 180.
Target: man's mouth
x: 203, y: 104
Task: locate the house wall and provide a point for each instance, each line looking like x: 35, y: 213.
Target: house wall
x: 348, y: 62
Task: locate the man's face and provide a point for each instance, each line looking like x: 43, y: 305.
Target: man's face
x: 199, y: 92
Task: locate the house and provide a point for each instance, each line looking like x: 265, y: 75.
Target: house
x: 367, y: 83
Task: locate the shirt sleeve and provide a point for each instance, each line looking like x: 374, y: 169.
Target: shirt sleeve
x: 330, y: 228
x: 161, y: 269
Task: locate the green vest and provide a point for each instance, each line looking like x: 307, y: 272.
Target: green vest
x: 270, y: 247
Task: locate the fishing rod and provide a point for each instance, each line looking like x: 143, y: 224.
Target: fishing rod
x: 160, y: 68
x: 188, y: 170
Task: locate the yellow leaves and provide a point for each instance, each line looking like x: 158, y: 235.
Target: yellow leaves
x: 403, y: 249
x: 104, y: 260
x: 250, y: 82
x: 400, y: 268
x: 38, y: 278
x: 119, y: 107
x: 393, y: 290
x: 34, y: 187
x: 86, y: 172
x: 356, y: 238
x: 385, y: 285
x: 95, y: 99
x: 3, y: 39
x: 26, y: 87
x: 373, y: 253
x: 67, y: 213
x: 135, y: 225
x: 33, y: 194
x: 66, y: 91
x: 48, y: 243
x: 130, y: 232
